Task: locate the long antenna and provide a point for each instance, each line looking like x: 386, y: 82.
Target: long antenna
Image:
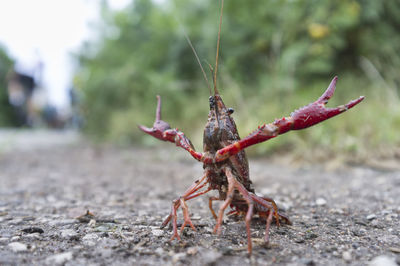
x: 198, y: 61
x: 216, y: 57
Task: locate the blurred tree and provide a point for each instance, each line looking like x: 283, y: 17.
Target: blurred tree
x: 7, y: 113
x: 270, y: 48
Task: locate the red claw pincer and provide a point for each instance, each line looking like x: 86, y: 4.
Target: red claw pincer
x: 316, y: 112
x: 159, y: 126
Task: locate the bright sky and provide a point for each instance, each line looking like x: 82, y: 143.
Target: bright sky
x: 49, y: 30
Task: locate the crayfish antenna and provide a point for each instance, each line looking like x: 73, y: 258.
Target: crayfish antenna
x: 198, y: 60
x: 217, y: 55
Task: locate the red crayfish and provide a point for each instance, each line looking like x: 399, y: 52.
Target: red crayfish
x: 224, y: 159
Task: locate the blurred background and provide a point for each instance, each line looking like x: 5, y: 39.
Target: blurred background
x: 96, y: 66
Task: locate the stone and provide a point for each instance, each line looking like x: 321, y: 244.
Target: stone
x: 15, y: 238
x: 17, y: 247
x: 192, y: 250
x: 211, y: 256
x: 346, y: 255
x: 90, y: 239
x: 382, y: 260
x: 157, y: 232
x: 320, y: 201
x: 68, y: 233
x: 60, y: 258
x: 177, y: 257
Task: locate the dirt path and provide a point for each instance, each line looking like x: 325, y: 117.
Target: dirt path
x: 346, y: 216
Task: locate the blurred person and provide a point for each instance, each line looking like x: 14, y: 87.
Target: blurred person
x: 23, y: 82
x: 20, y: 89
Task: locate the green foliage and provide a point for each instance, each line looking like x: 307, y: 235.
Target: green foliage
x: 275, y: 56
x: 6, y: 112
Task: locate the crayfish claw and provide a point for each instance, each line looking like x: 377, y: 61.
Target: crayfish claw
x: 354, y: 102
x: 159, y: 126
x: 329, y: 92
x: 316, y: 112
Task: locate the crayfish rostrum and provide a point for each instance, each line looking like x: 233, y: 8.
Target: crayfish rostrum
x: 224, y: 159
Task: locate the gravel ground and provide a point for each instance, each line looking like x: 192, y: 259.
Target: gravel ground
x: 348, y: 215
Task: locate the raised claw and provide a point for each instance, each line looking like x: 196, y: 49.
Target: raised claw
x: 159, y: 126
x: 304, y: 117
x: 162, y: 131
x: 316, y: 112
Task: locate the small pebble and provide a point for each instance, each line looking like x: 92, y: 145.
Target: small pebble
x: 377, y: 224
x: 159, y: 251
x: 371, y: 217
x: 15, y: 238
x: 192, y: 250
x: 178, y: 256
x: 320, y: 201
x: 382, y: 260
x: 346, y: 256
x: 307, y: 262
x: 33, y: 236
x: 68, y: 233
x: 335, y: 253
x: 105, y: 252
x: 92, y: 223
x: 157, y: 232
x: 142, y: 213
x: 392, y: 249
x: 59, y: 258
x: 17, y: 247
x: 16, y: 221
x: 285, y: 206
x: 211, y: 257
x: 209, y: 229
x: 90, y: 239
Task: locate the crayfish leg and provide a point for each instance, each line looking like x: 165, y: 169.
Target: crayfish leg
x: 175, y: 206
x: 276, y: 214
x: 232, y: 185
x: 190, y: 193
x: 267, y: 208
x: 210, y: 200
x: 186, y: 217
x: 227, y: 202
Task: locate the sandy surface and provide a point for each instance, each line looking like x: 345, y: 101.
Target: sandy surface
x: 349, y: 215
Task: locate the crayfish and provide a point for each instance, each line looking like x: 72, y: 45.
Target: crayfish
x: 224, y: 159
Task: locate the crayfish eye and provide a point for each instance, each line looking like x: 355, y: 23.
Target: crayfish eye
x: 230, y: 110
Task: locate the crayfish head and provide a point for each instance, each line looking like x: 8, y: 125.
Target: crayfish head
x: 217, y: 106
x: 220, y: 128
